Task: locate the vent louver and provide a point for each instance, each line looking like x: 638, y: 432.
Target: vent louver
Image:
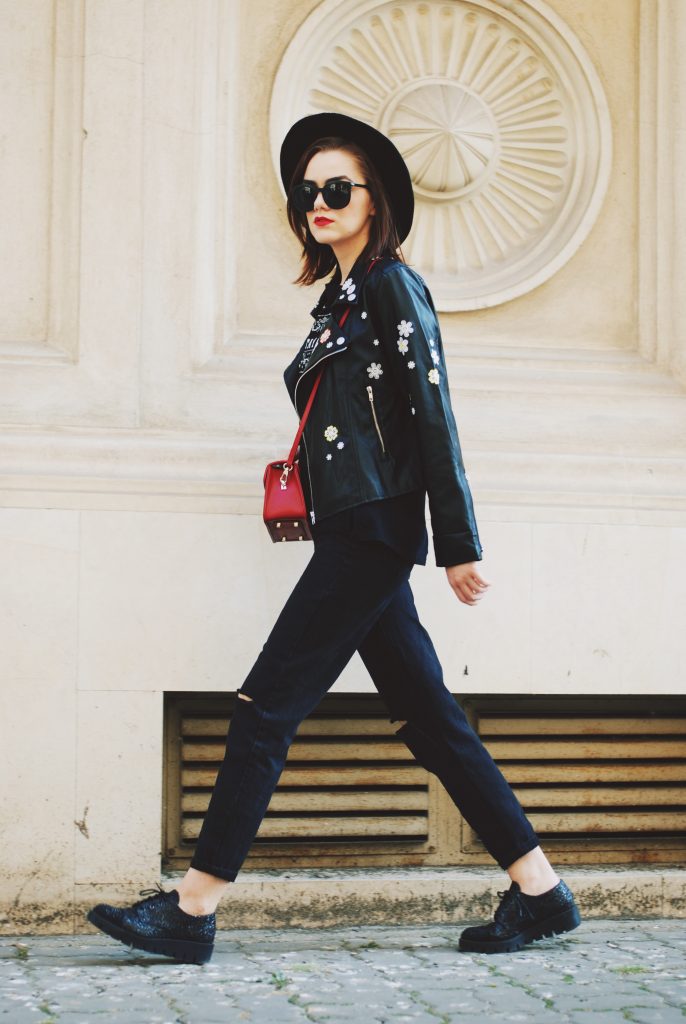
x: 603, y: 780
x: 348, y: 784
x: 594, y: 776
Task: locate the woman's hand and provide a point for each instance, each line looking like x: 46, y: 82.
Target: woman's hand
x: 466, y: 582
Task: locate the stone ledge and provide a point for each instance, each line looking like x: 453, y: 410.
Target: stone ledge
x: 329, y: 897
x: 312, y: 898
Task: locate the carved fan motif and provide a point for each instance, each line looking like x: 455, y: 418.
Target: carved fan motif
x: 498, y: 113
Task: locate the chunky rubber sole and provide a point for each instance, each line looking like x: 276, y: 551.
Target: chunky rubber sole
x: 565, y: 921
x: 184, y: 950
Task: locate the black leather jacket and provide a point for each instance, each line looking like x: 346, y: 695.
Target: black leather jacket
x: 382, y: 423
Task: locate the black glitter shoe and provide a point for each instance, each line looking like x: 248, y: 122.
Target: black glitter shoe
x: 521, y: 918
x: 158, y: 925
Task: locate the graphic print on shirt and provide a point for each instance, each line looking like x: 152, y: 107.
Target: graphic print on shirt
x: 320, y: 334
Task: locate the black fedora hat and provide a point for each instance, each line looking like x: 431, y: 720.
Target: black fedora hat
x: 381, y: 151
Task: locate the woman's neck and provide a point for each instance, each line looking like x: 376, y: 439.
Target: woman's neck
x: 346, y: 256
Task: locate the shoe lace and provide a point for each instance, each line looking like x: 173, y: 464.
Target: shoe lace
x: 507, y: 897
x: 150, y: 894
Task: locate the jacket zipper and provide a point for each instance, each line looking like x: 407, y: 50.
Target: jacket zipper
x: 376, y: 422
x: 335, y: 352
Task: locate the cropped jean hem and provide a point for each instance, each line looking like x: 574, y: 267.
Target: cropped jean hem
x: 526, y: 848
x: 213, y: 869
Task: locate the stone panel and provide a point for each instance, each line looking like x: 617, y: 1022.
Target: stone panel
x: 38, y: 626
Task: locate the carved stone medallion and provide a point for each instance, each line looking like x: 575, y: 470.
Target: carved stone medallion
x: 498, y: 113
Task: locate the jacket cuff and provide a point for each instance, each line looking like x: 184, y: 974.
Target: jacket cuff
x: 456, y: 548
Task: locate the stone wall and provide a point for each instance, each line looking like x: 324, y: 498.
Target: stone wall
x: 146, y: 314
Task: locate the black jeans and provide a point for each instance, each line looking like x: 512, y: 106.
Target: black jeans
x: 352, y: 596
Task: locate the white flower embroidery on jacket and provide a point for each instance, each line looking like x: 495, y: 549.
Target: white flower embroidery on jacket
x: 410, y: 365
x: 402, y: 346
x: 405, y: 328
x: 331, y: 433
x: 435, y: 356
x: 433, y: 376
x: 348, y: 287
x: 374, y: 370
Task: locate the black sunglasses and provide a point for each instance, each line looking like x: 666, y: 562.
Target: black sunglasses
x: 336, y: 194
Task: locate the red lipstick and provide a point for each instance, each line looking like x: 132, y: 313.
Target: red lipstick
x: 321, y: 221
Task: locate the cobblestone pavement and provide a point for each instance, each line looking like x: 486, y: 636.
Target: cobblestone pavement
x: 604, y: 971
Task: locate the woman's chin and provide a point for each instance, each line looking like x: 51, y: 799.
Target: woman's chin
x: 324, y: 233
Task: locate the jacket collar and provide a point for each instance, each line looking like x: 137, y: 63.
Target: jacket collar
x: 337, y: 295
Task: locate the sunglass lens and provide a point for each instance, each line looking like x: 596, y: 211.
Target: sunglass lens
x: 337, y: 194
x: 303, y: 196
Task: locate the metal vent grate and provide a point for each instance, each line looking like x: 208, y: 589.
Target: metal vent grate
x: 603, y: 780
x: 348, y: 782
x: 592, y: 774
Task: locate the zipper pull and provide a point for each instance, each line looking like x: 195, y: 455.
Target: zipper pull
x: 312, y: 516
x: 376, y: 422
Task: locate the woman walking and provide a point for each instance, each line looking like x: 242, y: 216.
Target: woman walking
x: 381, y: 435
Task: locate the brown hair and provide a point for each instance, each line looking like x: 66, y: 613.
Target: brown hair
x: 319, y: 259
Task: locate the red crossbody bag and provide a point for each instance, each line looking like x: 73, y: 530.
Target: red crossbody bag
x: 285, y: 512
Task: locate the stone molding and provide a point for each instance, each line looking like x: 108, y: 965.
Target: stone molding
x: 662, y: 163
x: 594, y: 453
x: 39, y: 324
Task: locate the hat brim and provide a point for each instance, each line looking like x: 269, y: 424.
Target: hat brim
x: 386, y: 158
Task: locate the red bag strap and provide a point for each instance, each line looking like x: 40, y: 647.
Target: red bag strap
x: 306, y: 412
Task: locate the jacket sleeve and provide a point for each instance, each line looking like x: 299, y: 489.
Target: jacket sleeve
x: 405, y: 318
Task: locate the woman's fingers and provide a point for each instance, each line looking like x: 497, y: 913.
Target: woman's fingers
x: 470, y: 596
x: 465, y: 594
x: 468, y: 584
